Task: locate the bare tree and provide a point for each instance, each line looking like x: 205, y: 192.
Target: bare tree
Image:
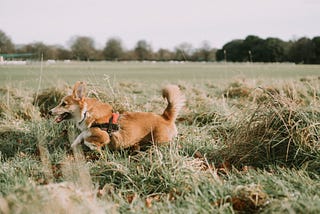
x: 183, y: 51
x: 164, y: 55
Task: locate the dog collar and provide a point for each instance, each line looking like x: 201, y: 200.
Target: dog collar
x: 114, y: 118
x: 110, y: 127
x: 84, y: 117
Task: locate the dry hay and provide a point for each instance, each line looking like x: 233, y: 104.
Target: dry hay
x: 278, y: 131
x: 17, y: 105
x: 246, y: 199
x: 63, y: 197
x: 48, y: 99
x: 237, y: 90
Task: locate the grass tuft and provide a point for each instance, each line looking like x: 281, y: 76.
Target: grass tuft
x: 48, y: 99
x: 278, y: 131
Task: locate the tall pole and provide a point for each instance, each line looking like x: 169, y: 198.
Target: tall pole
x: 250, y: 56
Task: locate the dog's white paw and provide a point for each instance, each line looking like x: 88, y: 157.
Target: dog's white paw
x: 74, y: 145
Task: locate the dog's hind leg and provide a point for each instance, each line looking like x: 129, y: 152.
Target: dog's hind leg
x: 118, y: 141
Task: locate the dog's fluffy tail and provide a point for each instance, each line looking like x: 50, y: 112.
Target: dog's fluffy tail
x: 175, y: 100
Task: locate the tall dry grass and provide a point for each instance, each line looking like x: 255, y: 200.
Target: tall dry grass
x: 244, y: 146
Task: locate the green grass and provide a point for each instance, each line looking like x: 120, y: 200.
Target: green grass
x: 248, y: 141
x: 28, y: 75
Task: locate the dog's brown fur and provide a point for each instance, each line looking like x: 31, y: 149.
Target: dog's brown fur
x: 136, y: 128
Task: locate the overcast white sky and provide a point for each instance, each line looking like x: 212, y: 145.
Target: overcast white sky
x: 162, y: 23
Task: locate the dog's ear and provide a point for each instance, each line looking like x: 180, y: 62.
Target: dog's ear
x: 79, y: 91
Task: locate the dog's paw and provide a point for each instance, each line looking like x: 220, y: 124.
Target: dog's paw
x: 74, y: 145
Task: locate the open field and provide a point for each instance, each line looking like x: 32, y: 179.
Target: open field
x: 248, y: 140
x: 150, y: 72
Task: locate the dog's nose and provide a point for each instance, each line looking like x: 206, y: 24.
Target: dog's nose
x: 50, y: 112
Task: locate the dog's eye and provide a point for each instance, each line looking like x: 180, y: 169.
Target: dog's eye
x: 63, y: 104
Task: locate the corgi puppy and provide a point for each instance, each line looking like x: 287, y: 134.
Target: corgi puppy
x: 100, y: 126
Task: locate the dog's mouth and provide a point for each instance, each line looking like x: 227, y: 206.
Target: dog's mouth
x: 63, y: 116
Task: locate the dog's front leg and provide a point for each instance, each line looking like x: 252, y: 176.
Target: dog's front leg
x: 80, y: 138
x: 77, y: 141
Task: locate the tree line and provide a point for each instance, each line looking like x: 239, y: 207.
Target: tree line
x: 251, y: 49
x: 255, y: 49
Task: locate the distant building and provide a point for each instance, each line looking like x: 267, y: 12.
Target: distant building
x: 21, y: 56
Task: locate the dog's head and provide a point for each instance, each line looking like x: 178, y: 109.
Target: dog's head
x: 72, y: 106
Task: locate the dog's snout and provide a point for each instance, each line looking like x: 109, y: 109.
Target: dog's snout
x: 50, y: 112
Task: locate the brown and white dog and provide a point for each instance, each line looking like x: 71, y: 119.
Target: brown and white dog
x: 131, y: 129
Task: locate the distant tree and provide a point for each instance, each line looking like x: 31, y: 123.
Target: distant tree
x: 99, y: 56
x: 220, y: 55
x: 183, y: 52
x: 253, y: 49
x: 316, y: 45
x: 302, y: 51
x: 143, y: 50
x: 204, y: 53
x: 63, y: 54
x: 6, y: 46
x: 52, y: 52
x: 82, y: 48
x: 49, y: 52
x: 39, y: 49
x: 113, y: 49
x: 24, y: 48
x: 164, y: 55
x: 232, y: 52
x: 129, y: 55
x: 275, y: 50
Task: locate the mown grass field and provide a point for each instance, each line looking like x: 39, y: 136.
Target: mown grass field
x: 249, y: 140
